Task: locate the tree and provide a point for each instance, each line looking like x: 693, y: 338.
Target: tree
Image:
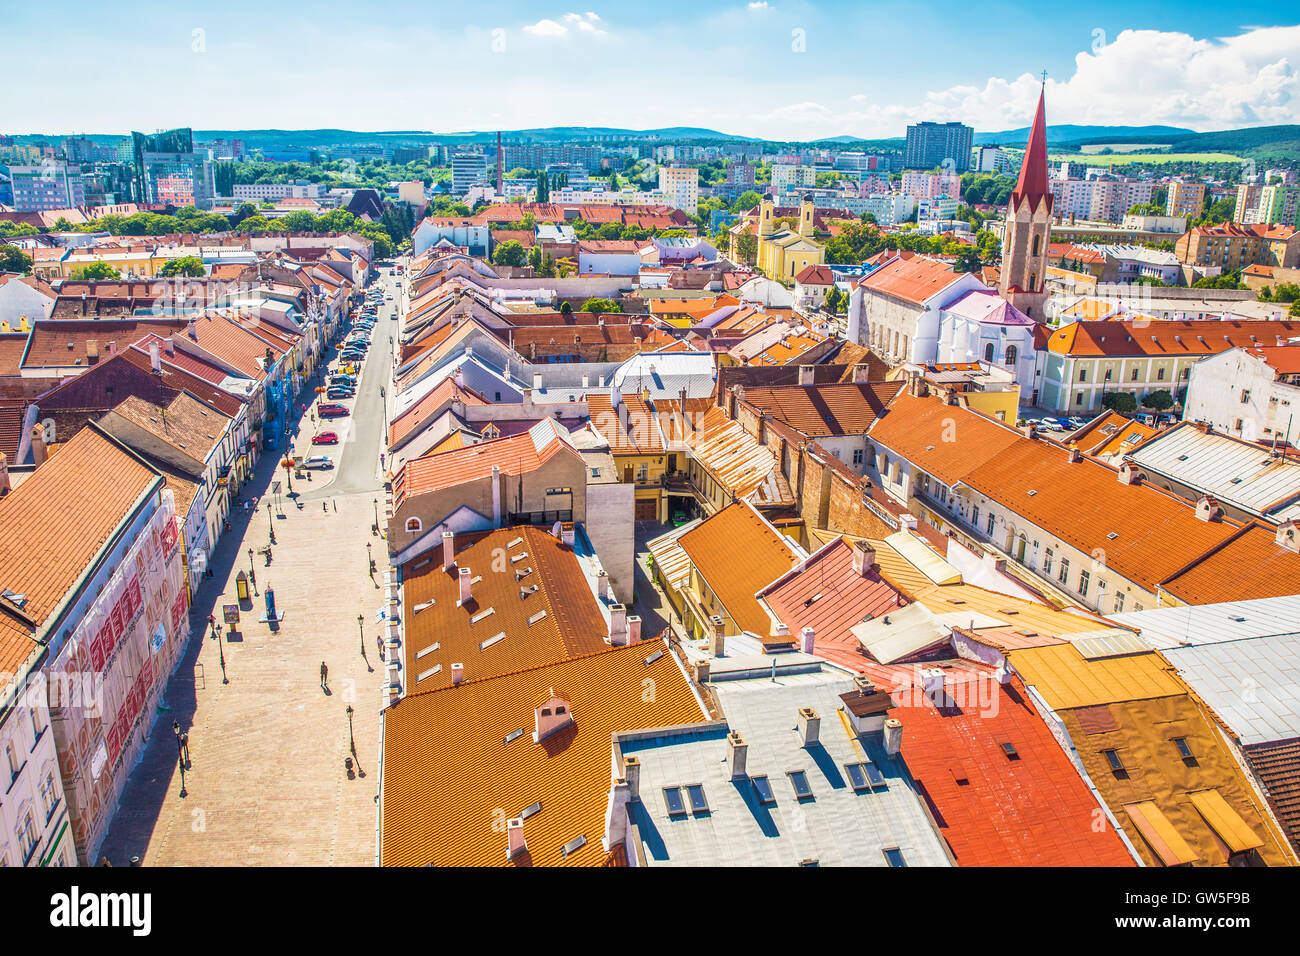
x: 566, y: 308
x: 191, y: 267
x: 834, y: 300
x: 1147, y: 209
x: 510, y: 253
x: 543, y: 188
x: 1160, y: 401
x: 747, y: 248
x: 62, y: 225
x: 96, y: 270
x: 1294, y: 311
x: 746, y: 201
x: 535, y: 258
x: 13, y: 259
x: 600, y: 305
x: 547, y: 268
x: 1123, y: 402
x: 9, y: 228
x: 300, y: 221
x: 968, y: 260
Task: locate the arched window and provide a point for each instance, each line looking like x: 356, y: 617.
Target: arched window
x: 988, y: 352
x: 1037, y: 239
x: 413, y: 525
x: 1011, y: 355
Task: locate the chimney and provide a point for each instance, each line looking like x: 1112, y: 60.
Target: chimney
x: 702, y: 671
x: 1073, y: 456
x: 932, y: 681
x: 155, y: 358
x: 717, y: 629
x: 808, y: 642
x: 448, y: 550
x: 618, y: 624
x: 864, y: 558
x: 112, y: 349
x: 496, y: 496
x: 1128, y: 473
x: 171, y: 346
x: 1030, y: 430
x: 809, y: 726
x: 586, y: 382
x: 893, y: 736
x: 602, y: 585
x: 457, y: 673
x: 861, y: 374
x: 465, y: 592
x: 633, y: 629
x: 4, y: 474
x: 193, y: 330
x: 736, y: 751
x: 38, y: 444
x: 1208, y: 509
x: 1288, y: 534
x: 632, y: 774
x: 551, y: 715
x: 568, y: 536
x: 537, y: 381
x: 515, y: 842
x: 805, y: 374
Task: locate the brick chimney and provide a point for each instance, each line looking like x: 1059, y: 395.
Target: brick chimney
x: 1208, y: 508
x: 448, y: 550
x: 809, y: 726
x: 717, y: 631
x: 38, y: 444
x: 457, y: 673
x: 864, y: 558
x: 808, y: 640
x: 466, y: 587
x: 618, y: 624
x: 1073, y: 456
x: 515, y: 842
x: 633, y: 629
x: 1129, y: 474
x: 893, y: 736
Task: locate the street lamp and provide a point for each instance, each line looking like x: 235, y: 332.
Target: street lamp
x: 250, y: 561
x: 181, y: 761
x: 361, y: 630
x: 351, y: 739
x: 271, y: 520
x: 221, y: 652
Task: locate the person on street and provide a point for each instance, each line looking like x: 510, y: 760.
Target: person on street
x: 379, y: 642
x: 324, y: 675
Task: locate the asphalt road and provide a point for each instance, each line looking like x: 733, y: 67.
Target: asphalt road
x: 356, y: 458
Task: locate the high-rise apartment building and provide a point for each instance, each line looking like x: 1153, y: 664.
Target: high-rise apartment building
x: 1185, y: 199
x: 932, y: 144
x: 681, y: 186
x: 51, y: 185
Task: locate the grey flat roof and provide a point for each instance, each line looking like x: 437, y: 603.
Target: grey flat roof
x: 1253, y: 685
x: 1168, y: 627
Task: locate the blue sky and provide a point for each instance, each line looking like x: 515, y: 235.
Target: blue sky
x: 778, y: 69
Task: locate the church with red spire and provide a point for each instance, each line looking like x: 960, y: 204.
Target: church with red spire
x: 1029, y: 224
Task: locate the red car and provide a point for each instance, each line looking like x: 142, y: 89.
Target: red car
x: 330, y: 409
x: 325, y: 438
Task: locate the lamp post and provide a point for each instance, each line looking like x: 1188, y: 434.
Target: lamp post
x: 351, y: 739
x: 271, y: 521
x: 250, y: 560
x: 361, y: 630
x: 181, y: 762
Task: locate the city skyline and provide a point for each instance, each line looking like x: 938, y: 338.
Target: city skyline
x: 830, y: 69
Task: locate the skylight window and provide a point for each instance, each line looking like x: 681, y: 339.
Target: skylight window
x: 532, y: 808
x: 1009, y: 749
x: 1116, y: 764
x: 894, y: 856
x: 763, y: 789
x: 484, y: 645
x: 652, y: 658
x: 574, y: 845
x: 863, y: 776
x: 695, y: 794
x: 1185, y: 752
x: 799, y: 780
x: 673, y: 799
x: 481, y: 615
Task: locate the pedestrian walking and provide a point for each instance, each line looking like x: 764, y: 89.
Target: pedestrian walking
x: 379, y: 642
x: 324, y: 675
x: 324, y: 506
x: 185, y: 746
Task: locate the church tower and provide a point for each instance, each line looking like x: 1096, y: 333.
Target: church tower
x: 1029, y: 227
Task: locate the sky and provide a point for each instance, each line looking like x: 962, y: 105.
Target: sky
x: 777, y: 69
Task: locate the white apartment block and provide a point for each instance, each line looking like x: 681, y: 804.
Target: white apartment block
x: 1098, y: 200
x: 786, y: 177
x: 1253, y: 395
x: 269, y: 192
x: 681, y: 186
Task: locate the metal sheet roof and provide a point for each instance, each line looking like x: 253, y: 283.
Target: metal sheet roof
x: 1253, y: 685
x: 1168, y: 627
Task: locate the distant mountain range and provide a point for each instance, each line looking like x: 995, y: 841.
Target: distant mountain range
x: 1067, y: 133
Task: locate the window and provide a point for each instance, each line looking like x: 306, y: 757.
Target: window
x: 1119, y: 602
x: 49, y: 795
x: 1160, y: 375
x: 975, y: 516
x: 413, y: 525
x: 1134, y: 376
x: 27, y: 837
x: 1185, y: 752
x: 1186, y: 372
x: 14, y: 765
x: 1047, y: 561
x: 37, y: 727
x: 1083, y: 375
x: 642, y: 473
x: 988, y: 352
x: 1116, y: 764
x: 1108, y: 375
x: 857, y: 777
x: 857, y: 456
x: 1078, y: 398
x: 1064, y: 576
x: 894, y: 856
x: 673, y: 799
x: 763, y: 789
x: 1245, y: 396
x: 1084, y: 578
x: 1009, y: 749
x: 695, y: 794
x: 799, y: 780
x: 1010, y: 358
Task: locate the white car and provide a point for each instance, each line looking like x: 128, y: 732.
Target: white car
x: 319, y: 462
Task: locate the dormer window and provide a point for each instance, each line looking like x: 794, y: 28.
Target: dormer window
x: 551, y: 715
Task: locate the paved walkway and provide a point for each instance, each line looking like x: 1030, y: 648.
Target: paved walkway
x: 267, y: 784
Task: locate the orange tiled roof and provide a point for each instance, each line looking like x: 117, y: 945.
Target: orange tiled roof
x: 913, y: 279
x: 923, y: 430
x: 570, y: 626
x: 1160, y: 338
x: 713, y: 548
x: 17, y: 641
x: 640, y: 437
x: 438, y: 399
x: 450, y: 781
x: 825, y: 410
x: 56, y: 521
x: 1249, y: 565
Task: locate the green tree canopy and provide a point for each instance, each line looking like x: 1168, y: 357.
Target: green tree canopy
x: 95, y: 270
x: 13, y: 259
x: 510, y: 253
x: 600, y: 305
x: 191, y: 267
x: 1160, y: 400
x: 1123, y: 402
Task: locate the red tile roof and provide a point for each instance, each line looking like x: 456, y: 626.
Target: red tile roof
x: 822, y: 411
x: 1160, y: 338
x: 915, y: 279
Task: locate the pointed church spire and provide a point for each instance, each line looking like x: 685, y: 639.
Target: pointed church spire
x: 1033, y: 181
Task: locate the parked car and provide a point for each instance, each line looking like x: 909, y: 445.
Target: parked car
x: 1076, y: 422
x: 325, y: 438
x: 340, y: 393
x: 1051, y: 424
x: 348, y: 380
x: 319, y: 461
x: 329, y: 409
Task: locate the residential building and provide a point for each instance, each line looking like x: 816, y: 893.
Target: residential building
x: 270, y: 192
x: 931, y: 145
x: 468, y: 169
x: 1252, y: 392
x: 1232, y: 246
x: 1184, y: 199
x: 681, y: 187
x: 790, y: 178
x: 169, y: 171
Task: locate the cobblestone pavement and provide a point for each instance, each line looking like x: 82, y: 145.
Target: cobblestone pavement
x: 267, y: 784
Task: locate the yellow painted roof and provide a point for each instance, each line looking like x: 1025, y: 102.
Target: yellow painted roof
x: 1225, y: 821
x: 917, y: 553
x: 1067, y: 680
x: 1160, y: 833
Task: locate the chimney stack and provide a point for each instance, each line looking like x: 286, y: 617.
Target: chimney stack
x: 568, y: 535
x: 632, y: 774
x: 448, y: 550
x: 633, y: 629
x: 537, y: 381
x: 1030, y: 430
x: 1288, y: 534
x: 805, y: 374
x: 864, y: 558
x: 4, y: 473
x: 602, y: 585
x: 1208, y: 508
x: 719, y: 636
x: 515, y: 842
x: 457, y: 673
x: 893, y: 736
x: 465, y: 590
x: 702, y: 671
x: 808, y: 644
x: 1128, y: 473
x: 1073, y: 456
x: 736, y: 751
x: 38, y: 445
x: 618, y: 624
x: 809, y: 726
x: 155, y: 358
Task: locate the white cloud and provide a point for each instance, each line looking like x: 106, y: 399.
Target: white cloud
x: 585, y: 22
x: 1142, y: 77
x: 758, y: 5
x: 546, y: 28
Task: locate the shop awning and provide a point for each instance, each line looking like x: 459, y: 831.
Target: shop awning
x: 1160, y: 833
x: 1225, y: 821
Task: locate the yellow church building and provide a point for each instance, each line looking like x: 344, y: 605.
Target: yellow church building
x: 783, y: 253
